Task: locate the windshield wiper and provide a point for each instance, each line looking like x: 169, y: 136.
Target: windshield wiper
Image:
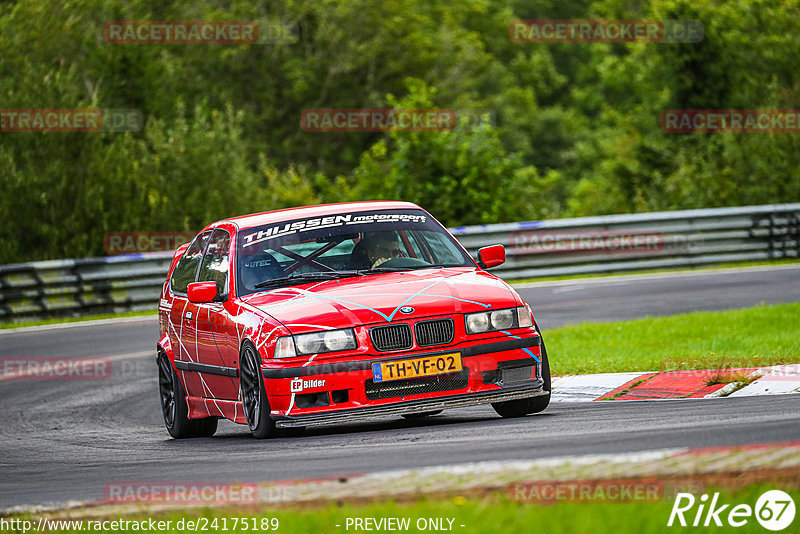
x: 375, y: 270
x: 431, y: 266
x: 398, y: 269
x: 306, y: 277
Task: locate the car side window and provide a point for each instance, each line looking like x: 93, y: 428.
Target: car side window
x: 185, y: 271
x: 215, y: 262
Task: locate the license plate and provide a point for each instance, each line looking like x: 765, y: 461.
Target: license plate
x: 425, y: 366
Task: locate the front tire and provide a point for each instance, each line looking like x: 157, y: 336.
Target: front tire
x: 253, y: 393
x: 174, y: 408
x: 522, y: 407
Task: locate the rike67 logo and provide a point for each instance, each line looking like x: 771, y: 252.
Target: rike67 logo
x: 774, y: 510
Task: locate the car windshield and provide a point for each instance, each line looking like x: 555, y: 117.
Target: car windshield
x: 343, y: 245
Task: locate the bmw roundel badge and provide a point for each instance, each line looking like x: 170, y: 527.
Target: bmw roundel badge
x: 406, y: 309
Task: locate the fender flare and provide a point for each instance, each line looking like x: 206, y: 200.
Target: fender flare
x: 165, y: 345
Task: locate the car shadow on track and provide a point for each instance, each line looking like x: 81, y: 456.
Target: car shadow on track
x: 378, y: 425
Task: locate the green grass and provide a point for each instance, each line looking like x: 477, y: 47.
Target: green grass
x: 785, y: 261
x: 743, y: 378
x: 492, y: 513
x: 753, y: 337
x: 5, y: 326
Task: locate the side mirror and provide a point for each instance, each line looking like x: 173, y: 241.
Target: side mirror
x: 491, y: 256
x: 202, y: 292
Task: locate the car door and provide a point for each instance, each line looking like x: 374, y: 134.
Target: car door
x: 218, y: 359
x: 183, y: 314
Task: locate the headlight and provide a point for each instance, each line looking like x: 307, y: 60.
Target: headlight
x: 480, y: 322
x: 315, y: 343
x: 308, y: 343
x: 339, y: 340
x: 502, y: 319
x: 477, y: 322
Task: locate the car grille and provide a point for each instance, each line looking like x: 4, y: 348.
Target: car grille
x: 510, y: 375
x: 517, y: 374
x: 435, y: 332
x: 392, y: 337
x: 416, y: 386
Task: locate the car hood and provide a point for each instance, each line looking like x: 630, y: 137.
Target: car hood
x: 385, y: 297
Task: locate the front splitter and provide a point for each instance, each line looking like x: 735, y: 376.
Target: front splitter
x: 534, y: 388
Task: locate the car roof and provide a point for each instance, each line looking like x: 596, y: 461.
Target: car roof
x: 288, y: 214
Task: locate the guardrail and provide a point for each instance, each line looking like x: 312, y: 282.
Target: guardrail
x: 59, y: 288
x: 641, y: 241
x: 586, y: 245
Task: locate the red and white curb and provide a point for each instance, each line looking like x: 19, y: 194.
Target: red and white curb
x: 774, y: 380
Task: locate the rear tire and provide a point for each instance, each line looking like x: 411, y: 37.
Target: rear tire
x: 174, y: 408
x: 519, y: 408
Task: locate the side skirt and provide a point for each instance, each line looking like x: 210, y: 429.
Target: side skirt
x: 200, y: 407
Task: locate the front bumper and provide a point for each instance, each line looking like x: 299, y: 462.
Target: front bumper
x: 534, y: 388
x: 476, y: 349
x: 494, y: 370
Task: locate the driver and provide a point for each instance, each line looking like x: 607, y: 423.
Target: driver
x: 381, y: 247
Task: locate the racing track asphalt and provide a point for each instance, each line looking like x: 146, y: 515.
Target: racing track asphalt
x: 65, y: 440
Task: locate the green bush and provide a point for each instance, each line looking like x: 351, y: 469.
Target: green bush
x: 576, y: 130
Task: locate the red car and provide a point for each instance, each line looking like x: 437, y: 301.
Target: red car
x: 308, y: 316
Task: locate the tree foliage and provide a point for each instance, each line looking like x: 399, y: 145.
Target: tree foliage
x: 576, y: 130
